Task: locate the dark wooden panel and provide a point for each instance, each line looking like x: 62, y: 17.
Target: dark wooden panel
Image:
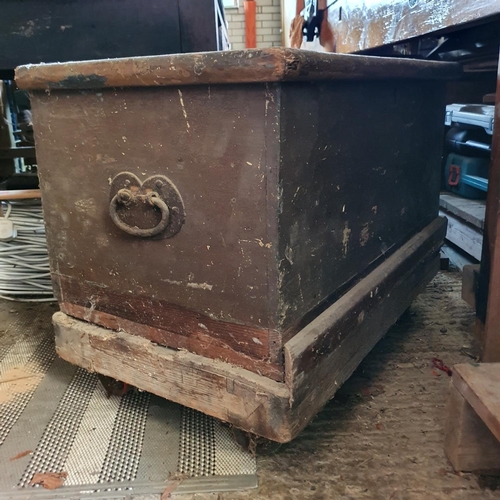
x: 315, y: 365
x: 33, y: 31
x: 268, y: 65
x: 195, y: 16
x: 361, y: 25
x: 219, y: 264
x: 360, y: 174
x: 488, y: 290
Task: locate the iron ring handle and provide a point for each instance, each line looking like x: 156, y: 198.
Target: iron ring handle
x: 155, y: 200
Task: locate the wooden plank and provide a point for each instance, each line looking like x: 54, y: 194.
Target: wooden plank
x: 468, y: 443
x: 250, y: 66
x: 479, y: 384
x: 470, y: 274
x: 197, y: 25
x: 458, y: 258
x: 471, y: 211
x: 325, y: 353
x: 232, y: 394
x: 360, y: 25
x: 465, y: 236
x: 196, y: 334
x: 488, y: 293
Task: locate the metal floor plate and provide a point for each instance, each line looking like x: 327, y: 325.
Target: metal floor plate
x: 56, y: 417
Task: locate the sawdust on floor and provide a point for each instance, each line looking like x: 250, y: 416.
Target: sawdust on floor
x: 381, y: 437
x: 17, y: 380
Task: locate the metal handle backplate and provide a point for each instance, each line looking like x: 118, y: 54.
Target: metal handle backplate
x: 134, y: 204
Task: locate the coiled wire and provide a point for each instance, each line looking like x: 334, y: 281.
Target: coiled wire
x: 24, y: 261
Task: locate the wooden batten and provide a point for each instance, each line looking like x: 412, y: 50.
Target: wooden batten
x: 468, y: 443
x: 232, y: 394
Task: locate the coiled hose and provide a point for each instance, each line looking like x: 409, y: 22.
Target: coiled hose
x: 24, y: 261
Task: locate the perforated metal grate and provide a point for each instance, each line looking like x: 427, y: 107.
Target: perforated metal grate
x: 197, y: 446
x: 124, y: 443
x: 53, y: 449
x: 125, y: 446
x: 24, y: 363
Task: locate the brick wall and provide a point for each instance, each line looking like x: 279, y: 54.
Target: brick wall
x: 268, y: 24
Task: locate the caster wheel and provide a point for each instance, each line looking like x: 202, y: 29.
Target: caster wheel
x: 113, y: 387
x: 256, y: 445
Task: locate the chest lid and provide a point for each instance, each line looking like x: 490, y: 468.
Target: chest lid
x: 241, y: 66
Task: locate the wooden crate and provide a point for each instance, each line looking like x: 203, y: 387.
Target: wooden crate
x: 264, y: 216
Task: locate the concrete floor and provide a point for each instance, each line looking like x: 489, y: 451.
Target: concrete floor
x: 382, y: 435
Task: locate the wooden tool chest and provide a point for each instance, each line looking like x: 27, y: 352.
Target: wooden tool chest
x: 235, y: 231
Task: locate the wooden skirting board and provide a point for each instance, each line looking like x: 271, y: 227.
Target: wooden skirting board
x: 318, y: 359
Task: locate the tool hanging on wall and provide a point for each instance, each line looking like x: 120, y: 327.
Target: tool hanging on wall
x: 313, y: 17
x: 310, y: 22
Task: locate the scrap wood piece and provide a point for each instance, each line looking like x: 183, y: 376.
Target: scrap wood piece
x: 438, y: 363
x: 49, y: 480
x: 167, y: 492
x: 175, y: 480
x: 21, y: 455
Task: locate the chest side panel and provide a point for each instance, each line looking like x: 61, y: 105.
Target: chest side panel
x: 360, y: 173
x: 215, y: 144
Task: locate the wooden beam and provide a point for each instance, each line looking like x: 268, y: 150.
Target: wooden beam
x: 488, y: 293
x: 237, y: 66
x: 232, y: 394
x: 20, y: 194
